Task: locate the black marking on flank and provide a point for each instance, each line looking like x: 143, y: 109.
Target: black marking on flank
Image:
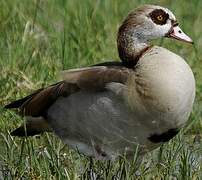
x: 164, y: 137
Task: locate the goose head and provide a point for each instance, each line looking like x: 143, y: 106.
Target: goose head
x: 144, y: 24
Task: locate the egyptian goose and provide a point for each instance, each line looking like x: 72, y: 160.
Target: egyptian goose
x: 106, y: 110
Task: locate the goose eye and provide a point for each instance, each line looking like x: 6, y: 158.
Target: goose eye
x: 160, y: 18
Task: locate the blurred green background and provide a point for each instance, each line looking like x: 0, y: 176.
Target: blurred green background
x: 39, y: 38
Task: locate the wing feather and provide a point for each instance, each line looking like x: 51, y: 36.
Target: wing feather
x: 90, y: 79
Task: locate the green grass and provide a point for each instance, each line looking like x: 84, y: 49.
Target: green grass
x: 77, y: 33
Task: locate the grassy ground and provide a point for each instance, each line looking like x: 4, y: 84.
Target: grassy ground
x: 77, y: 33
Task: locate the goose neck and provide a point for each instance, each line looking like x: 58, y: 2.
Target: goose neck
x: 131, y: 46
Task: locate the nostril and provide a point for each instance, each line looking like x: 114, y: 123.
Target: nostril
x: 180, y: 31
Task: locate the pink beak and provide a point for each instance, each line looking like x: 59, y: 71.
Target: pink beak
x: 177, y: 33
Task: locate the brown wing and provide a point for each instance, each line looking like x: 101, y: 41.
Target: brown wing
x: 36, y: 104
x: 90, y: 79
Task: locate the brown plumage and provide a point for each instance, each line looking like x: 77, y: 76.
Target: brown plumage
x: 33, y: 126
x: 125, y: 38
x: 36, y: 104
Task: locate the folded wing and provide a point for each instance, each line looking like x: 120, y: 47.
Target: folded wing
x: 96, y: 78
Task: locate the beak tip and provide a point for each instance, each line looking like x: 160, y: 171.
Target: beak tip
x: 190, y: 42
x: 178, y: 34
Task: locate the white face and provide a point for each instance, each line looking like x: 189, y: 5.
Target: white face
x: 159, y: 22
